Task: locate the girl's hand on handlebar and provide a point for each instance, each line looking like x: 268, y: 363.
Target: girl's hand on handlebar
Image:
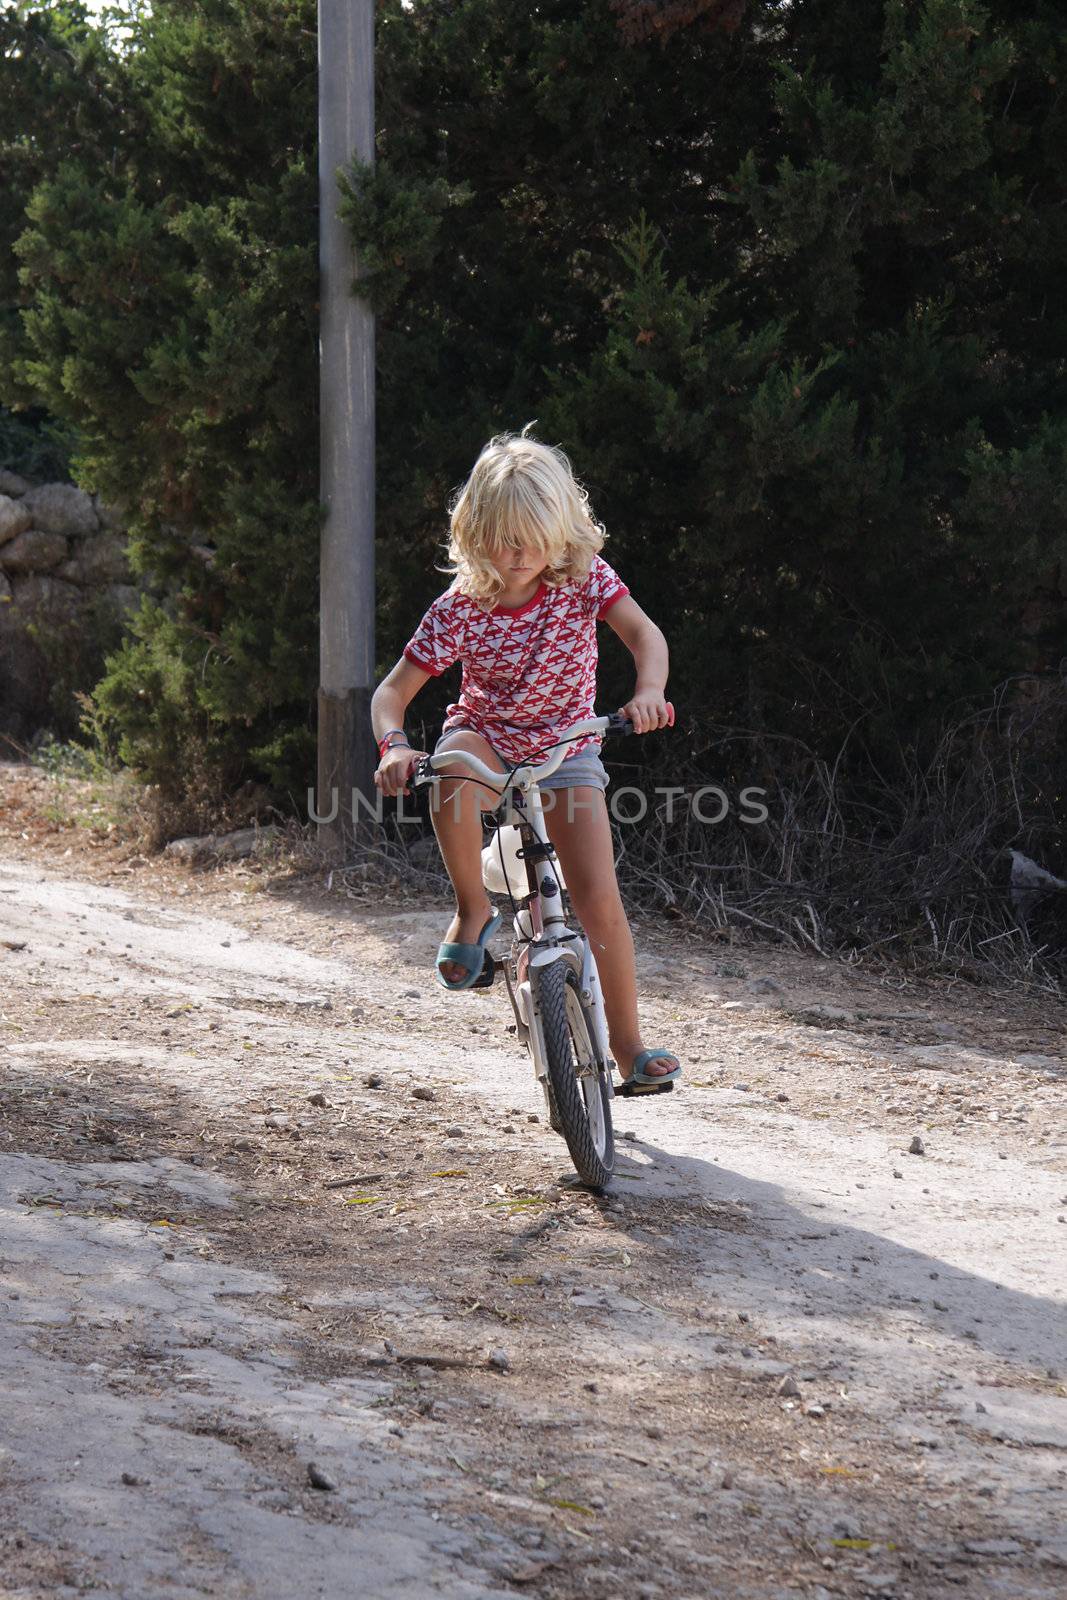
x: 648, y: 711
x: 394, y: 770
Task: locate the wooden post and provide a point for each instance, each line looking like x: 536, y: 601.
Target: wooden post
x: 346, y: 751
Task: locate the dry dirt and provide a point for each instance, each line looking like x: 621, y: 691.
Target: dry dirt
x: 784, y: 1356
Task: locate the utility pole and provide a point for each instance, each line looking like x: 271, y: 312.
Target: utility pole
x: 346, y: 750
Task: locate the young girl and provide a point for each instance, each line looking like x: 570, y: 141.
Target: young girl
x: 521, y: 615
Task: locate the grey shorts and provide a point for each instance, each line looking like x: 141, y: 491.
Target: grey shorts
x: 584, y: 769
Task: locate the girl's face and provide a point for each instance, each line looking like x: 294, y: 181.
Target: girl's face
x: 517, y: 563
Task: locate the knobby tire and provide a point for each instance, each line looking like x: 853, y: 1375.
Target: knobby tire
x: 566, y: 1097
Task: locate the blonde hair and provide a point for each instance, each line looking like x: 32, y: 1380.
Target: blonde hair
x: 520, y: 492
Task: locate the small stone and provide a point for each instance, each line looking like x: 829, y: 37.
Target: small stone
x: 412, y: 994
x: 422, y: 1093
x: 318, y: 1479
x: 318, y: 1099
x: 277, y: 1121
x: 978, y: 1406
x: 813, y: 1410
x: 374, y: 1080
x: 594, y: 1388
x: 654, y: 1431
x: 916, y: 1147
x: 628, y: 1134
x: 499, y: 1359
x: 743, y: 1316
x: 454, y: 1133
x: 789, y: 1388
x: 897, y: 1172
x: 781, y: 1097
x: 131, y: 1480
x: 531, y: 1116
x: 818, y: 1016
x: 993, y: 1547
x: 946, y: 1030
x: 727, y: 1480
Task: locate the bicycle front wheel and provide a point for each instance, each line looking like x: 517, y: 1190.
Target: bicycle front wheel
x: 579, y: 1090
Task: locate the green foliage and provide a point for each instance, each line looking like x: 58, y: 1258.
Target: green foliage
x: 35, y: 446
x: 787, y: 295
x: 165, y: 308
x: 785, y: 283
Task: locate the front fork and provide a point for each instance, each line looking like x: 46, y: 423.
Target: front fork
x: 522, y: 995
x: 543, y: 912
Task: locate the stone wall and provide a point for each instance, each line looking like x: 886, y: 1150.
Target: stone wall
x: 63, y: 570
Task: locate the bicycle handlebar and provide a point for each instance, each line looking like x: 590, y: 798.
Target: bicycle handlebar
x: 527, y: 773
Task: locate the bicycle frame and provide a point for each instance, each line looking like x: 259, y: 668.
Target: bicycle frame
x: 543, y: 935
x: 540, y: 927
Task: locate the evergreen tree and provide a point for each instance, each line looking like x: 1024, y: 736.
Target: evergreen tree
x: 57, y: 100
x: 168, y: 310
x: 783, y: 282
x: 787, y: 291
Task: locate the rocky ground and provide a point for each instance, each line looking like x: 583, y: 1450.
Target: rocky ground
x: 298, y: 1299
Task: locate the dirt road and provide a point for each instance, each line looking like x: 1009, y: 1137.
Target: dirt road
x: 271, y: 1201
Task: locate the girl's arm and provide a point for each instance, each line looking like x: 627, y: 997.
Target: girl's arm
x: 647, y: 709
x: 389, y: 703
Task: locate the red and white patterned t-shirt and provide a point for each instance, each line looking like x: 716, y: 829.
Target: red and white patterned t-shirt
x: 529, y: 672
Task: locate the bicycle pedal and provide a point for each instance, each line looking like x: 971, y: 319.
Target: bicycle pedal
x: 488, y: 973
x: 626, y: 1090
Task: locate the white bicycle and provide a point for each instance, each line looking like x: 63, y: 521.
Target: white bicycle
x: 551, y: 972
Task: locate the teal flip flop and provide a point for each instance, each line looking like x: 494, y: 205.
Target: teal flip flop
x: 641, y: 1083
x: 471, y: 956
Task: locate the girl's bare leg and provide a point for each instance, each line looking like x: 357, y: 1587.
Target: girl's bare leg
x: 457, y: 820
x: 581, y: 832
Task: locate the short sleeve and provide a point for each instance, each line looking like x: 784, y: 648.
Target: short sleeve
x: 601, y: 589
x: 434, y: 645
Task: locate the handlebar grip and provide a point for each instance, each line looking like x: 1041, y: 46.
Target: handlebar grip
x: 617, y: 723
